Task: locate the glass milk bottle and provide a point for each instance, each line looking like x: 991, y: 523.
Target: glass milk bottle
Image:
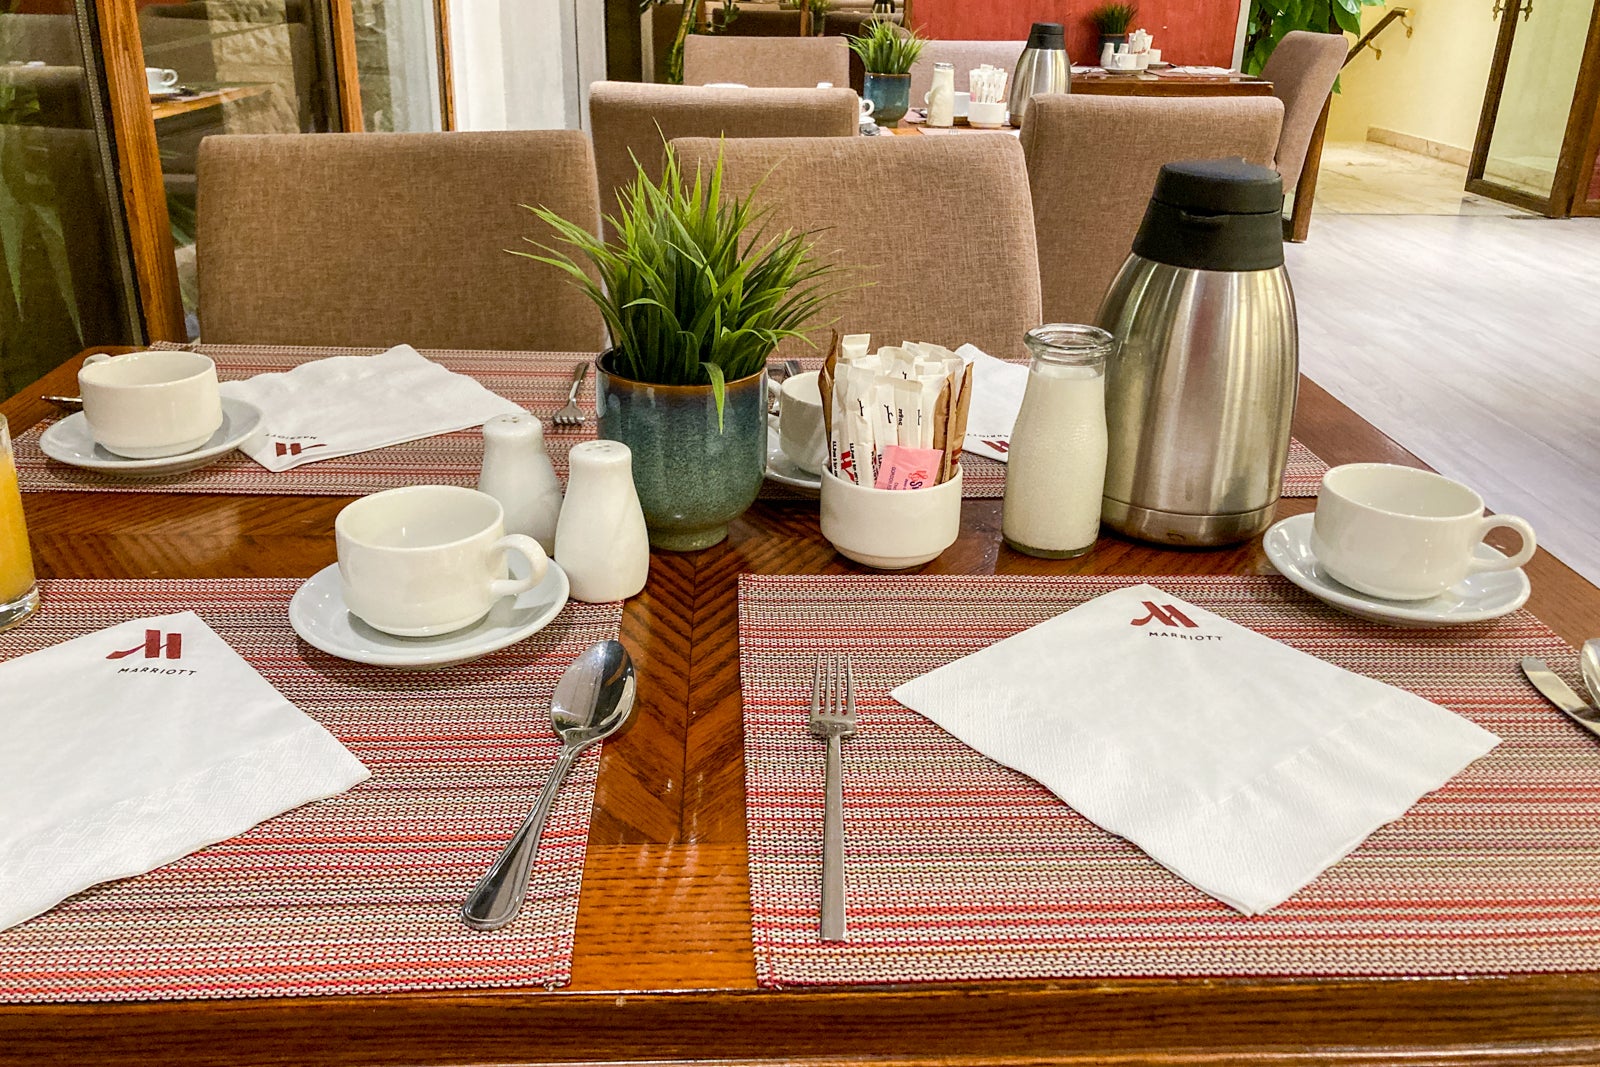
x: 942, y: 96
x: 1056, y: 462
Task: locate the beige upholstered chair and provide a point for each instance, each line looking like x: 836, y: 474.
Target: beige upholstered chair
x: 940, y: 263
x: 1092, y: 165
x: 1302, y: 70
x: 631, y: 120
x: 965, y: 55
x: 771, y: 62
x: 379, y: 239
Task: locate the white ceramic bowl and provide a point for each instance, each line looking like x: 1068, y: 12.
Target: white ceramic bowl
x: 890, y: 529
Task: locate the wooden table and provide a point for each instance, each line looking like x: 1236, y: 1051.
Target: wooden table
x: 663, y: 968
x: 171, y: 107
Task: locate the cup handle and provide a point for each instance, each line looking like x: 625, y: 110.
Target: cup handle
x: 867, y: 107
x: 169, y: 78
x: 97, y: 357
x: 538, y: 563
x: 1509, y: 522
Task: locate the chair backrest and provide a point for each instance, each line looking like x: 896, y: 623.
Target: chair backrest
x: 634, y: 120
x: 938, y: 229
x: 1302, y: 70
x: 771, y: 62
x: 1092, y: 165
x: 378, y: 239
x: 964, y: 55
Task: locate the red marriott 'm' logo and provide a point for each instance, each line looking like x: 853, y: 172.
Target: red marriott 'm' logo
x: 1167, y: 615
x: 153, y: 647
x: 294, y: 448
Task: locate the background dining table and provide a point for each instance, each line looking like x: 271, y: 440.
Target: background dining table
x: 663, y: 966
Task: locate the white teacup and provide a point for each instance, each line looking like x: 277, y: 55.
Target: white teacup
x: 428, y: 559
x: 160, y: 79
x: 890, y: 529
x: 989, y: 116
x: 1122, y: 61
x: 1404, y: 534
x: 146, y: 405
x: 800, y: 428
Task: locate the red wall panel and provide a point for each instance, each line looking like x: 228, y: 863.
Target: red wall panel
x: 1197, y: 32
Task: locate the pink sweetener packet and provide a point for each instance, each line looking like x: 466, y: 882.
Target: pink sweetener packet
x: 908, y: 468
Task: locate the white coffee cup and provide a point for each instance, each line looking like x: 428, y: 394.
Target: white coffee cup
x: 160, y: 79
x: 1404, y: 534
x: 1123, y: 61
x: 146, y: 405
x: 890, y: 529
x: 428, y: 559
x: 866, y: 107
x: 800, y: 428
x: 959, y: 103
x: 986, y: 115
x: 1152, y: 56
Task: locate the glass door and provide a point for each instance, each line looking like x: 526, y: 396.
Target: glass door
x: 1538, y: 104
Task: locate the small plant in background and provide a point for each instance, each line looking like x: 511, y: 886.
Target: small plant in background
x: 1113, y: 20
x: 686, y: 25
x: 884, y: 51
x: 819, y: 15
x: 1271, y: 20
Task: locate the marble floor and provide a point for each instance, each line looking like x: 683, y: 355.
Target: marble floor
x: 1368, y: 178
x: 1474, y: 341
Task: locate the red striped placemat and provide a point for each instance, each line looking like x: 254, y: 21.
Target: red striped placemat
x: 358, y: 893
x: 537, y: 380
x: 959, y: 869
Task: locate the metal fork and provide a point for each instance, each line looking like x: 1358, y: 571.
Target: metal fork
x: 572, y: 415
x: 833, y: 716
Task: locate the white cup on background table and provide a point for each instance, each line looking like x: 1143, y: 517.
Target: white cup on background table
x: 801, y: 434
x: 160, y: 79
x: 146, y: 405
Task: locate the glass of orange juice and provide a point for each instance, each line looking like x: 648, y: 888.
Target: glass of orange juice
x: 19, y: 593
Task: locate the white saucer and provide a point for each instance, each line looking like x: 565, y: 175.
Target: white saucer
x: 318, y: 615
x: 782, y: 469
x: 1477, y: 597
x: 70, y: 442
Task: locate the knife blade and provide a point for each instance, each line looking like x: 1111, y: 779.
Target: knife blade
x: 1561, y: 695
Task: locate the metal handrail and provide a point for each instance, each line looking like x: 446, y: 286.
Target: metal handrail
x: 1401, y: 13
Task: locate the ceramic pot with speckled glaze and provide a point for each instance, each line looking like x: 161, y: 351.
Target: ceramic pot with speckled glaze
x: 693, y: 477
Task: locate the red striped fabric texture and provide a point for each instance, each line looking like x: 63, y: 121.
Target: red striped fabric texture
x: 959, y: 869
x: 537, y: 380
x: 355, y: 894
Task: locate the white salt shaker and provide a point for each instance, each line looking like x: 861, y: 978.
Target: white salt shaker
x: 517, y: 472
x: 942, y: 96
x: 601, y: 541
x: 1056, y: 461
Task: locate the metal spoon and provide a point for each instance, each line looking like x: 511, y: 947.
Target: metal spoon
x: 590, y: 703
x: 65, y: 403
x: 1590, y: 659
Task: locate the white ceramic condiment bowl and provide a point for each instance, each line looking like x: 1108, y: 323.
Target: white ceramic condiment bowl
x: 890, y: 529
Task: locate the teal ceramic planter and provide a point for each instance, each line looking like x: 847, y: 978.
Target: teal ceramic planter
x: 890, y: 95
x: 693, y: 477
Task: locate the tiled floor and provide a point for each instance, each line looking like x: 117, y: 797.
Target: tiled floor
x: 1472, y: 341
x: 1368, y: 178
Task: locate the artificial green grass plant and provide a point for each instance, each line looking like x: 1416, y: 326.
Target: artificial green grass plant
x: 883, y: 51
x: 693, y: 289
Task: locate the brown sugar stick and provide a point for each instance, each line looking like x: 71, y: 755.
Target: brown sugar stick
x: 941, y: 423
x: 958, y: 428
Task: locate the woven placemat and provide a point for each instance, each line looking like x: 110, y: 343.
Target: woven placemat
x: 536, y: 380
x: 355, y: 894
x: 960, y: 869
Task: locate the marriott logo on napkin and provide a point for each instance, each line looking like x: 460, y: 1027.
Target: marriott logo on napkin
x: 1240, y: 764
x: 126, y: 749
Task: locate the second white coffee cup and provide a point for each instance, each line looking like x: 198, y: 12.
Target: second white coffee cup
x: 800, y: 428
x: 1405, y: 534
x: 428, y: 559
x: 146, y: 405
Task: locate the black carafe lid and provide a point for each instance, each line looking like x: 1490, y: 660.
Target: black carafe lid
x: 1047, y: 35
x: 1214, y: 214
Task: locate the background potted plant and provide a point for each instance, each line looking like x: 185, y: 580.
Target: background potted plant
x: 1270, y: 20
x: 1113, y: 21
x: 887, y: 53
x: 696, y: 295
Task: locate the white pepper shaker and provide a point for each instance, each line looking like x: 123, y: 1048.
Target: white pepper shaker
x: 517, y: 472
x: 942, y: 97
x: 601, y: 541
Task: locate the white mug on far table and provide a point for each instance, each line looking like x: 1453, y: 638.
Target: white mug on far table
x: 425, y: 560
x: 160, y: 79
x: 1400, y: 533
x: 800, y: 427
x: 146, y: 405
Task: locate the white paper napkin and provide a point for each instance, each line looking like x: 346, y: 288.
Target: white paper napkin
x: 346, y: 404
x: 1240, y: 764
x: 128, y: 748
x: 997, y: 388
